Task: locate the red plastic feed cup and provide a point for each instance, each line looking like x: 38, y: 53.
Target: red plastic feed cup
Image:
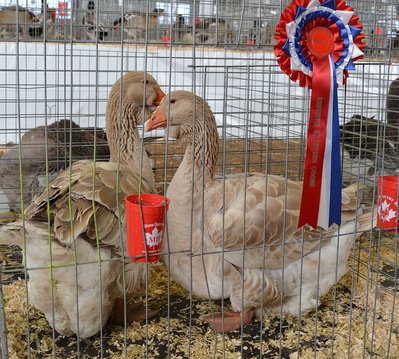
x: 166, y: 40
x: 387, y: 204
x: 153, y: 208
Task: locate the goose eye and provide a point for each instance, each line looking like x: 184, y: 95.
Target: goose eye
x: 147, y: 82
x: 172, y: 101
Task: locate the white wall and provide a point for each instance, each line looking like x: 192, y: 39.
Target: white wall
x: 61, y: 80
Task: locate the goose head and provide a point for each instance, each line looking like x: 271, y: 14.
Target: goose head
x: 137, y: 89
x: 189, y: 119
x: 183, y: 112
x: 131, y: 101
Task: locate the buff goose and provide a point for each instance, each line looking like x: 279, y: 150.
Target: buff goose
x: 216, y: 211
x: 79, y: 236
x: 62, y: 136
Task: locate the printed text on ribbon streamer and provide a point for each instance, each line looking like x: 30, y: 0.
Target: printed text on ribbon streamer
x: 315, y: 147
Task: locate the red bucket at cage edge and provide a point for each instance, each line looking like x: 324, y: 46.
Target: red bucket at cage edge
x: 153, y: 208
x: 387, y: 205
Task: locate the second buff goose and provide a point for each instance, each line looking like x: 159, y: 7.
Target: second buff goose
x: 252, y: 259
x: 75, y: 232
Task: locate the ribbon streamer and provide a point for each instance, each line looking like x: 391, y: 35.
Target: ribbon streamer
x: 317, y: 43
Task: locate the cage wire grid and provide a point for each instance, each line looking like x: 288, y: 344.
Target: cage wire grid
x: 64, y: 67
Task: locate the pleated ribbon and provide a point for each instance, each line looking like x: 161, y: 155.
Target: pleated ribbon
x: 317, y: 43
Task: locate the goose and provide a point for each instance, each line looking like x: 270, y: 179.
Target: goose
x: 8, y: 21
x: 53, y: 142
x: 207, y: 228
x: 36, y: 30
x: 80, y: 294
x: 214, y: 31
x: 371, y: 147
x: 94, y: 29
x: 135, y: 23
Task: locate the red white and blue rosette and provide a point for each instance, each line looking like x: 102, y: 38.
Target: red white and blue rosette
x: 317, y: 43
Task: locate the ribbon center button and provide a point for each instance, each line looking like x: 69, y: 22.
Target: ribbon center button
x: 320, y: 41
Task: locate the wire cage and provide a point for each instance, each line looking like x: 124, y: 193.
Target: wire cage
x: 59, y: 61
x: 209, y: 23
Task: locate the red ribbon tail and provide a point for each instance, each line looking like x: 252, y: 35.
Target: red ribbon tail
x: 319, y: 108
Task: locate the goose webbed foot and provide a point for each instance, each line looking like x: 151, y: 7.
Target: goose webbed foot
x: 135, y: 312
x: 229, y: 321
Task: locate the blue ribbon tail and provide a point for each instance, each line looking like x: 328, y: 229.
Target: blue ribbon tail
x: 336, y: 176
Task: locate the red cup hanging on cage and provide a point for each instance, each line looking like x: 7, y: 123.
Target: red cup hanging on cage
x: 145, y: 225
x: 316, y: 44
x: 387, y: 204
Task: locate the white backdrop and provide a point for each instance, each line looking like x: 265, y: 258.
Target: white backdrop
x: 74, y: 81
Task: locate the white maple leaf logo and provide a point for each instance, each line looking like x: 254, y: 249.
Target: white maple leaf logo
x: 386, y: 212
x: 391, y: 214
x: 384, y: 206
x: 154, y: 238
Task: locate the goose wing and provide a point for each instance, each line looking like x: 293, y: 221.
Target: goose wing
x: 259, y: 216
x: 83, y: 201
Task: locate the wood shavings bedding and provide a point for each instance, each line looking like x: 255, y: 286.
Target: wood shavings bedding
x: 362, y: 326
x: 358, y: 320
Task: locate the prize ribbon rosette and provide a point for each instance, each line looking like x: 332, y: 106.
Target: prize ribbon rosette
x: 317, y: 43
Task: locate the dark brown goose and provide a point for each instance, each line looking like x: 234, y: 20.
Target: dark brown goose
x: 66, y: 142
x: 371, y: 147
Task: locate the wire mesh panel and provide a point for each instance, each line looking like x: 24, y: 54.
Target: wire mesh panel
x: 222, y: 23
x: 69, y: 287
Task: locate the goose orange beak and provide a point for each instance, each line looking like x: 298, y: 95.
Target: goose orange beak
x: 160, y: 96
x: 157, y: 120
